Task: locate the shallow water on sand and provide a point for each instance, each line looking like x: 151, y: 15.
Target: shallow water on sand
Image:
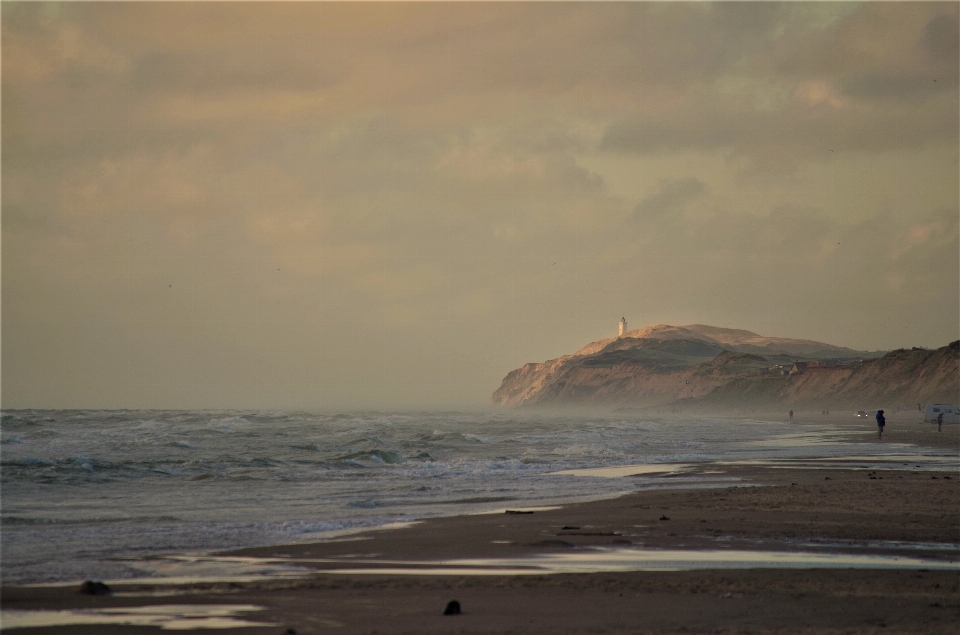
x: 166, y: 617
x: 188, y: 570
x: 84, y: 490
x: 622, y: 560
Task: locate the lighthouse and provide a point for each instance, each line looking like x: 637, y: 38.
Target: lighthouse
x: 623, y: 327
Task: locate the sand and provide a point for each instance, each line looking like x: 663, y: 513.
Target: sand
x: 906, y: 512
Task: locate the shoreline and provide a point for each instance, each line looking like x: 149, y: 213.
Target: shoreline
x: 765, y: 503
x: 893, y: 511
x: 746, y: 474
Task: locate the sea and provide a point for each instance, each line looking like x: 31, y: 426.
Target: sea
x: 85, y: 494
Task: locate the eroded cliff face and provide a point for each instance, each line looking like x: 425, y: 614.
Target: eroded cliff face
x: 906, y: 376
x: 900, y: 378
x: 706, y: 366
x: 628, y: 371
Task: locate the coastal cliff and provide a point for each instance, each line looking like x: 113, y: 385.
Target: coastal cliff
x: 705, y: 366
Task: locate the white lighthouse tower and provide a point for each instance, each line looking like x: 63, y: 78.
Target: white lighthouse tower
x: 623, y: 327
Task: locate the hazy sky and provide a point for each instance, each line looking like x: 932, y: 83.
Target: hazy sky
x: 393, y: 205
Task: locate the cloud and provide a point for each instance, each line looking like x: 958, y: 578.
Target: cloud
x: 801, y: 254
x: 942, y: 38
x: 805, y: 129
x: 799, y: 90
x: 673, y: 194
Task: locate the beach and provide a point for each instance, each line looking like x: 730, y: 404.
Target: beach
x: 782, y: 547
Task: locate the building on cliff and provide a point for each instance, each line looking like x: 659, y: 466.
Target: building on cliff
x: 623, y: 327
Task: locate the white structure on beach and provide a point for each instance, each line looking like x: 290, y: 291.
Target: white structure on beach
x: 951, y: 414
x: 623, y: 327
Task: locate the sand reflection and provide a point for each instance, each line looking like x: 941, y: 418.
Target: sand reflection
x: 621, y: 560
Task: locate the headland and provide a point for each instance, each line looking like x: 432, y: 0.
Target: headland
x: 712, y: 369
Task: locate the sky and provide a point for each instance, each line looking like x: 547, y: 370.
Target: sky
x: 322, y: 206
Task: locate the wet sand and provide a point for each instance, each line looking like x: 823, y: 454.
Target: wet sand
x: 897, y: 511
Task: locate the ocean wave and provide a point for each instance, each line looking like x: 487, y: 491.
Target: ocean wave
x: 364, y: 504
x: 13, y: 521
x: 373, y: 456
x: 310, y: 447
x: 27, y: 462
x: 47, y: 433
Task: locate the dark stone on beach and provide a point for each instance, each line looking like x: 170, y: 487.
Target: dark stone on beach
x: 90, y: 587
x: 664, y: 518
x: 568, y: 528
x: 556, y: 544
x: 453, y: 608
x: 516, y: 511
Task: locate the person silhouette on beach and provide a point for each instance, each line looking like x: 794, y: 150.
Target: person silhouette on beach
x: 791, y: 415
x: 940, y: 422
x: 881, y: 421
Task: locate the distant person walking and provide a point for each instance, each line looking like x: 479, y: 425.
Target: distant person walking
x: 791, y: 415
x: 940, y: 422
x: 881, y: 421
